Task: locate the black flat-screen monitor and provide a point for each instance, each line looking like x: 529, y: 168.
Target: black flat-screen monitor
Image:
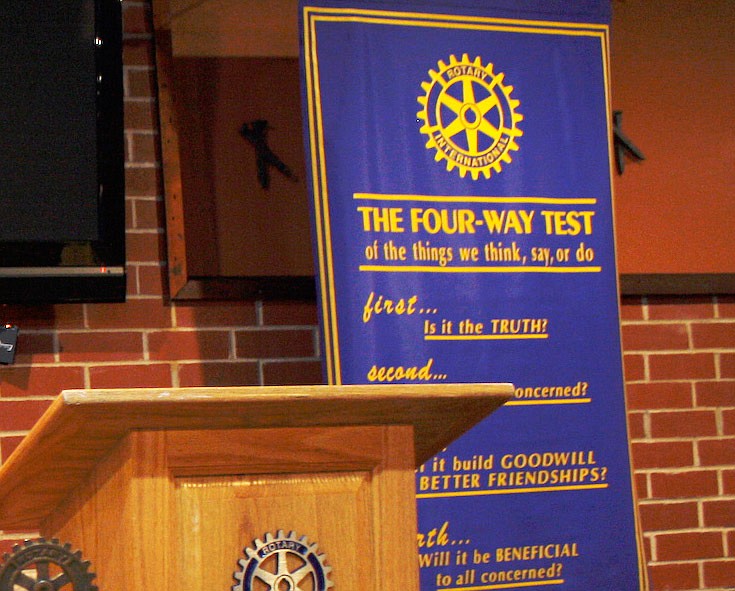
x: 62, y: 198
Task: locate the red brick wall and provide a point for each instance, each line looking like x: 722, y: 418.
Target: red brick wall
x: 680, y: 376
x: 679, y: 356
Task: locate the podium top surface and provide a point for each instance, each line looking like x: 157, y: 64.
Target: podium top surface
x: 82, y: 426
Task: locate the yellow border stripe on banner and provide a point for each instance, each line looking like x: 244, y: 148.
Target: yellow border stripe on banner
x: 508, y: 491
x: 430, y: 269
x: 426, y: 19
x: 504, y: 585
x: 470, y: 199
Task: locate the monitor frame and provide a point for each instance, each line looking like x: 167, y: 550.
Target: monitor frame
x: 84, y: 270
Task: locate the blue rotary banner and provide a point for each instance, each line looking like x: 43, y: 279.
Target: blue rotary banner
x: 460, y: 171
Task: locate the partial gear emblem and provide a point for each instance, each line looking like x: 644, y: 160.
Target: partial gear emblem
x: 282, y: 563
x: 469, y: 116
x: 45, y: 566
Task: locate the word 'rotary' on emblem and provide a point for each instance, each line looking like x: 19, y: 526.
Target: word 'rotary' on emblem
x: 282, y: 563
x: 469, y: 117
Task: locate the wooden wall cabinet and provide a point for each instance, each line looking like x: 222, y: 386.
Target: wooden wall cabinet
x: 228, y: 237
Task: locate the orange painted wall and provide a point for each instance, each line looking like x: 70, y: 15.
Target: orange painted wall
x: 673, y: 77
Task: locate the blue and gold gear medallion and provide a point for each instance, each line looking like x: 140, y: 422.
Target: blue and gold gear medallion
x: 282, y: 563
x: 469, y: 116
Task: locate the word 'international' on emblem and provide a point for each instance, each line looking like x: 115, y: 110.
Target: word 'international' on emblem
x: 469, y: 116
x: 282, y: 563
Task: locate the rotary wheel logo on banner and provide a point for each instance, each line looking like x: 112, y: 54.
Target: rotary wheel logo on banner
x: 469, y: 116
x: 282, y: 563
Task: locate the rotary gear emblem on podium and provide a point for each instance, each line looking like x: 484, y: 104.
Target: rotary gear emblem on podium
x: 469, y: 116
x: 282, y: 563
x: 45, y: 566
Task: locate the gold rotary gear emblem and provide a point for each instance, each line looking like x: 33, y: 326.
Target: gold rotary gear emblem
x: 469, y: 116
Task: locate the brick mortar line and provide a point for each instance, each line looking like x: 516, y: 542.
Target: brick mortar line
x: 250, y: 360
x: 720, y: 419
x: 716, y: 407
x: 223, y: 327
x: 232, y: 344
x: 646, y: 428
x: 687, y: 439
x: 181, y: 329
x: 140, y: 99
x: 131, y: 362
x: 243, y: 328
x: 690, y: 440
x: 643, y: 305
x: 142, y: 231
x: 56, y: 343
x: 137, y: 164
x: 141, y: 165
x: 690, y: 530
x: 261, y: 373
x: 678, y: 470
x: 684, y: 321
x: 657, y: 410
x: 137, y: 362
x: 669, y: 501
x: 725, y: 559
x: 276, y: 327
x: 680, y: 381
x: 692, y: 351
x: 142, y: 131
x: 175, y: 377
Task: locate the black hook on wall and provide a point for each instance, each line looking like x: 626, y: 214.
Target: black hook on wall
x: 623, y: 145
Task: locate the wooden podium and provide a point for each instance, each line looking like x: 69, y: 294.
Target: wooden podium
x: 166, y: 489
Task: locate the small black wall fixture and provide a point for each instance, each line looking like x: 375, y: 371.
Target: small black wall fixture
x: 623, y: 145
x: 256, y: 133
x: 8, y: 343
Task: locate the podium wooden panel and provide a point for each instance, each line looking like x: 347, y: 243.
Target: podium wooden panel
x: 163, y: 489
